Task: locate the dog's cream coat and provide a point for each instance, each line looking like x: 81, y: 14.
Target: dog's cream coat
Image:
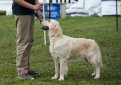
x: 64, y: 49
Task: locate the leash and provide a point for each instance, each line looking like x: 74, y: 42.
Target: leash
x: 43, y: 18
x: 46, y: 28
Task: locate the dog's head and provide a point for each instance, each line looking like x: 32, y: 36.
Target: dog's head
x: 52, y: 26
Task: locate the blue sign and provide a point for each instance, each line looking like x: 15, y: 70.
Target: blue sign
x: 54, y: 11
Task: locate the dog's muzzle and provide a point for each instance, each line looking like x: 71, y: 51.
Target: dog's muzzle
x: 45, y: 28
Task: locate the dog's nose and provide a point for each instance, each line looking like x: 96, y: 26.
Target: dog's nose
x: 45, y: 28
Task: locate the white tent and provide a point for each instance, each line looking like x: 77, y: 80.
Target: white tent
x: 6, y: 5
x: 93, y: 7
x: 77, y: 8
x: 109, y: 7
x: 84, y: 8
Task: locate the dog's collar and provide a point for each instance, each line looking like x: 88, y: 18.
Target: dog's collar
x: 52, y: 35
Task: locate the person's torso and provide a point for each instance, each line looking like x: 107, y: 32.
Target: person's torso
x: 20, y: 10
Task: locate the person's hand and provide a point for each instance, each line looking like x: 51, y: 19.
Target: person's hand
x: 36, y: 6
x: 38, y: 11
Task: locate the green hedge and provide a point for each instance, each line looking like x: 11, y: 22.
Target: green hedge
x: 2, y: 12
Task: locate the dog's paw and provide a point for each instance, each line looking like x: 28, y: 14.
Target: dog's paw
x: 93, y: 74
x: 55, y: 77
x: 96, y: 77
x: 61, y: 79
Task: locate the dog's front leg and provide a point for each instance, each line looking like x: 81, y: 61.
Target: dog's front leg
x: 63, y: 69
x: 57, y: 66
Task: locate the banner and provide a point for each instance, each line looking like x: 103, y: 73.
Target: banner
x: 54, y: 11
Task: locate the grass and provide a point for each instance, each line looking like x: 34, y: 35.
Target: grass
x: 102, y: 29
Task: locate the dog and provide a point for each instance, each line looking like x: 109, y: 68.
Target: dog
x: 64, y: 49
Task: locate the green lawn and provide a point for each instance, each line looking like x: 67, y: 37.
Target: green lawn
x: 102, y: 29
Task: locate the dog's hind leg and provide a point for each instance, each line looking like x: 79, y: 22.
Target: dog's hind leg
x: 57, y: 68
x: 97, y: 72
x: 96, y: 64
x: 93, y: 74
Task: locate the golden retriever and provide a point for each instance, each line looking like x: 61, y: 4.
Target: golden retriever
x: 64, y: 49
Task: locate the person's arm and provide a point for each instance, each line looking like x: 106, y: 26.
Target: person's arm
x: 28, y: 5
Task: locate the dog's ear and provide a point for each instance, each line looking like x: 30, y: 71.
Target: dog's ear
x: 57, y: 30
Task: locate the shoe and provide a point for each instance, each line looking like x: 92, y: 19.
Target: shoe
x: 25, y: 76
x: 33, y: 73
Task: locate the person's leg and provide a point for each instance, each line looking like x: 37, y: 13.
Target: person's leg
x: 31, y: 37
x: 23, y: 23
x: 31, y: 72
